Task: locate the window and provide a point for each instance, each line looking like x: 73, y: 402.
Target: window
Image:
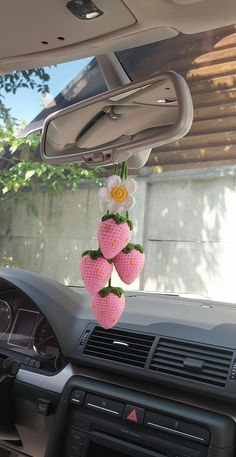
x: 185, y: 216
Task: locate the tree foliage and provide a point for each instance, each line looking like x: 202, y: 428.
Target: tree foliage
x: 19, y: 176
x: 36, y: 78
x: 9, y: 129
x: 27, y: 175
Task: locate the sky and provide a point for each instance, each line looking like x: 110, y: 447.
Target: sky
x: 27, y: 103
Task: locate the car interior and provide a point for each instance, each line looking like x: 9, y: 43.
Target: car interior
x: 160, y: 381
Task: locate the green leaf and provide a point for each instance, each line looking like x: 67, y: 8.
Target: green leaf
x: 111, y: 290
x: 130, y: 247
x: 14, y: 148
x: 29, y: 174
x: 16, y: 186
x: 94, y: 255
x: 118, y: 219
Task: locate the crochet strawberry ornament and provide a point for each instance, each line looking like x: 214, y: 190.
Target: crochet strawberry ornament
x: 114, y: 235
x: 95, y: 270
x: 129, y: 262
x: 108, y: 305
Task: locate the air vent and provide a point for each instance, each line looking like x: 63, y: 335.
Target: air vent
x: 193, y: 362
x: 122, y: 346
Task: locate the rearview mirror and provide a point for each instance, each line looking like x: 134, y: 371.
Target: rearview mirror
x: 121, y: 124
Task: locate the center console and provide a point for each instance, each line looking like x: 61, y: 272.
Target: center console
x: 96, y: 419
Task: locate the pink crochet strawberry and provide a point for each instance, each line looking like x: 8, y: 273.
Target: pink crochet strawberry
x: 95, y: 270
x: 108, y: 306
x: 114, y: 233
x: 129, y: 262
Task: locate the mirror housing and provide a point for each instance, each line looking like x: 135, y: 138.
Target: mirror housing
x: 121, y: 124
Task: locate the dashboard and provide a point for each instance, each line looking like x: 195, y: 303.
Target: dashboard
x: 162, y: 383
x: 25, y: 331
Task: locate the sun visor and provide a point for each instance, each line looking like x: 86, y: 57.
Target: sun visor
x: 46, y: 32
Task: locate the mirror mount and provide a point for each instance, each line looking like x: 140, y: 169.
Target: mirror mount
x: 112, y: 70
x: 115, y: 76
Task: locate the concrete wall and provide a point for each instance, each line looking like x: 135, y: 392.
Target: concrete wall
x: 191, y: 234
x: 187, y: 224
x: 66, y: 226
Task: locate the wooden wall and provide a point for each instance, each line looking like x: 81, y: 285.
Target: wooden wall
x: 208, y: 63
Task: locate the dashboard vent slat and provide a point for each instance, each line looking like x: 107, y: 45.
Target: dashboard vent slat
x: 100, y: 342
x: 179, y: 358
x: 170, y: 356
x: 121, y: 346
x: 194, y: 350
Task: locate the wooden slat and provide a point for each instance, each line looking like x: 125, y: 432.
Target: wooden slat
x: 202, y: 140
x: 191, y: 63
x: 212, y: 70
x: 159, y: 169
x: 193, y: 155
x: 218, y: 56
x: 215, y: 83
x: 215, y: 112
x: 220, y: 124
x: 214, y: 98
x: 228, y: 40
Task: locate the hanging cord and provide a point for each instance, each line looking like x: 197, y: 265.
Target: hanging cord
x: 115, y: 171
x: 124, y: 171
x: 124, y: 175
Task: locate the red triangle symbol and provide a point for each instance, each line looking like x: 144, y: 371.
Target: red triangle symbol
x: 132, y: 416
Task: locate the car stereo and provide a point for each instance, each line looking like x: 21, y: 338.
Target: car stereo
x: 102, y: 420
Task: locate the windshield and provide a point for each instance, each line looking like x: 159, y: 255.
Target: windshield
x: 185, y: 202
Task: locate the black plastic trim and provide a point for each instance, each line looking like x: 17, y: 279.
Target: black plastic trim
x: 222, y: 428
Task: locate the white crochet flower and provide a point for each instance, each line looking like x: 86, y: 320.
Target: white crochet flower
x: 118, y: 194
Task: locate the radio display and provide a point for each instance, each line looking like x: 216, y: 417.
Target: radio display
x: 23, y: 328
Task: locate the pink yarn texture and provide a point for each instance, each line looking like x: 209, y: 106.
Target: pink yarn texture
x: 113, y: 237
x: 95, y: 273
x: 108, y: 310
x: 130, y: 265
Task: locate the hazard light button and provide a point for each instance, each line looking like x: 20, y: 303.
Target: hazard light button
x: 134, y: 414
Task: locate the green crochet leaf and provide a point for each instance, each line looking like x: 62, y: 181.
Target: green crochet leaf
x: 118, y: 219
x: 130, y: 247
x: 94, y: 255
x: 111, y: 290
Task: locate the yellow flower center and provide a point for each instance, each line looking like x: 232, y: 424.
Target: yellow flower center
x: 119, y: 194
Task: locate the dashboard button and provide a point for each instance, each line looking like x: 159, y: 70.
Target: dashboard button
x: 77, y: 397
x: 83, y: 425
x: 37, y: 364
x: 77, y: 437
x: 97, y: 158
x: 74, y: 449
x: 26, y: 361
x: 43, y: 407
x: 104, y: 405
x: 134, y: 414
x: 173, y: 426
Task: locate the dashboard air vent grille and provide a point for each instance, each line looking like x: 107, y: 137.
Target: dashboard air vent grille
x: 193, y: 362
x: 122, y: 346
